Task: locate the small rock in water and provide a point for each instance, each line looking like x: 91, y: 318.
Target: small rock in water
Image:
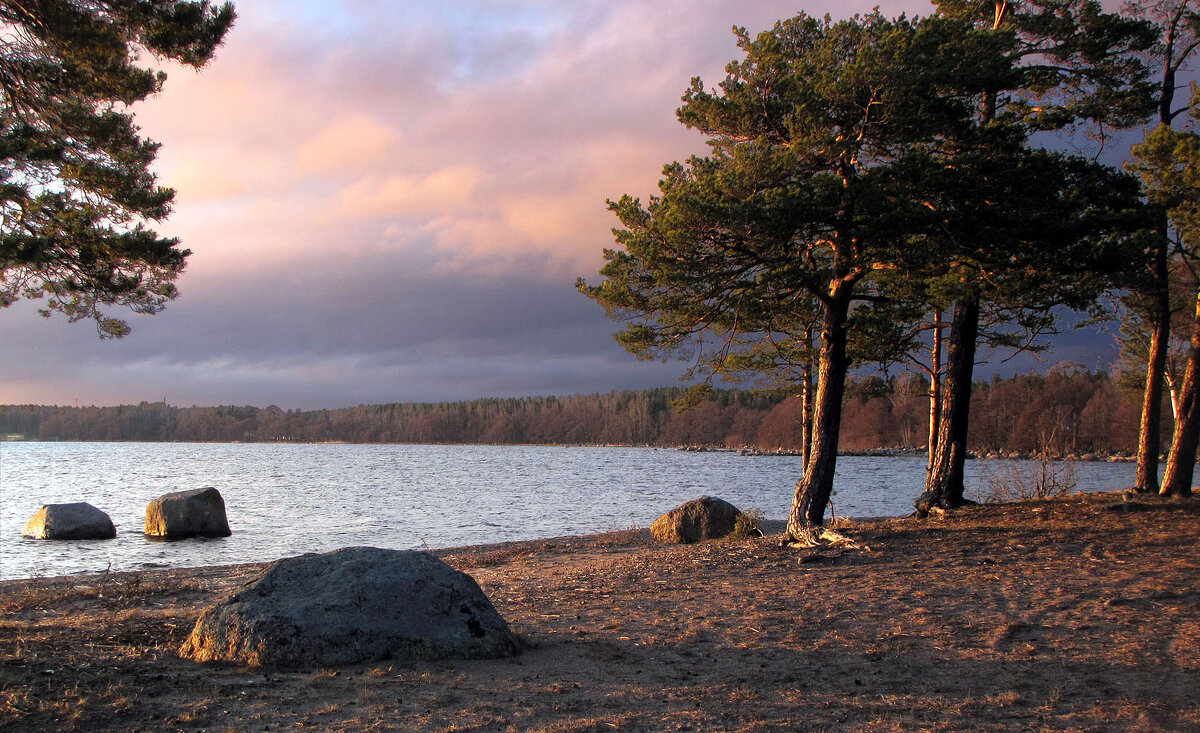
x: 76, y: 521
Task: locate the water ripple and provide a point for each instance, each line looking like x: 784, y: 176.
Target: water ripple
x: 289, y: 499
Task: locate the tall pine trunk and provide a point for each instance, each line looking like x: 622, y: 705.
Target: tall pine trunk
x: 935, y: 392
x: 944, y: 485
x: 1149, y: 434
x: 1177, y: 480
x: 944, y: 480
x: 806, y: 405
x: 816, y: 486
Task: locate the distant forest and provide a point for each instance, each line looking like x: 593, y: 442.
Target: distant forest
x: 1066, y: 411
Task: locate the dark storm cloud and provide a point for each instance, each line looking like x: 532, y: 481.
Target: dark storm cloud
x: 349, y: 336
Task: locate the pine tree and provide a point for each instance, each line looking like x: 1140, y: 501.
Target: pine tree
x: 1078, y: 64
x: 76, y: 189
x: 1169, y: 165
x: 1177, y: 25
x: 819, y: 178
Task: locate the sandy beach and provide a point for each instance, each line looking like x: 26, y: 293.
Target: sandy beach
x: 1076, y: 614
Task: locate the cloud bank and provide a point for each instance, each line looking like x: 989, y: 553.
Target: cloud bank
x: 391, y: 202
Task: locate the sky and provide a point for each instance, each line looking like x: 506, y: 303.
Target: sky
x: 390, y: 201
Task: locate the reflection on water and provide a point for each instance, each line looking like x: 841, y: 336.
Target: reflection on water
x: 290, y: 499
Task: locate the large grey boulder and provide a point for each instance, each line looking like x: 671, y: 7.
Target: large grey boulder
x: 358, y: 604
x: 706, y: 518
x: 77, y: 521
x: 196, y: 513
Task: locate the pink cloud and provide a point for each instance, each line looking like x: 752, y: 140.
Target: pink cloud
x: 349, y: 143
x: 437, y: 192
x: 371, y: 148
x: 489, y: 144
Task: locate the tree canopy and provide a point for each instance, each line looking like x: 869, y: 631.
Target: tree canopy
x: 76, y: 188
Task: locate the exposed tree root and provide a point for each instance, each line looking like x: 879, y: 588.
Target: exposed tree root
x: 934, y: 504
x: 823, y: 537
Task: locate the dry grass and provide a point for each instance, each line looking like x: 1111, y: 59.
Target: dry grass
x: 1046, y: 477
x: 1049, y: 615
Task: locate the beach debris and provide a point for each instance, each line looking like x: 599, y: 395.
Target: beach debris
x: 354, y: 605
x: 195, y: 513
x: 75, y: 521
x: 705, y: 518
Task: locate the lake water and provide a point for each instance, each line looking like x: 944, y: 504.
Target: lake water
x: 290, y: 499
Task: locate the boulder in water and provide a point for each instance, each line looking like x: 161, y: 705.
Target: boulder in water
x: 196, y: 513
x: 76, y: 521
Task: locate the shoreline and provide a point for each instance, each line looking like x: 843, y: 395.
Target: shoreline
x: 769, y: 527
x: 1052, y: 614
x: 748, y: 451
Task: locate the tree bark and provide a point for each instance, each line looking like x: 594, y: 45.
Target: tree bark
x: 1149, y: 434
x: 935, y: 391
x: 944, y: 486
x: 816, y: 485
x: 1181, y: 463
x: 806, y: 407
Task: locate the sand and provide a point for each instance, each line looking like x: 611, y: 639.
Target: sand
x: 1063, y: 614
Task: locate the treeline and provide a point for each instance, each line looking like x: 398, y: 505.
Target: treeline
x: 1066, y: 411
x: 625, y: 418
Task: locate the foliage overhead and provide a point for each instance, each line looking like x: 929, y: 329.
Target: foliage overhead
x: 1168, y: 163
x: 1077, y: 62
x: 802, y: 199
x: 852, y: 154
x: 76, y: 186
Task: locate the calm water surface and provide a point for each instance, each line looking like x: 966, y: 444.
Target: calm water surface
x: 290, y: 499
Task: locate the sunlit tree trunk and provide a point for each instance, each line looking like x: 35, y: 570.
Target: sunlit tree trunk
x: 935, y: 391
x: 816, y: 486
x: 1178, y: 43
x: 1177, y: 480
x: 944, y: 480
x: 806, y: 408
x: 1149, y: 434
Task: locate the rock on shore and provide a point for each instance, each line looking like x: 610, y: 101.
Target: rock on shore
x: 358, y: 604
x: 706, y: 518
